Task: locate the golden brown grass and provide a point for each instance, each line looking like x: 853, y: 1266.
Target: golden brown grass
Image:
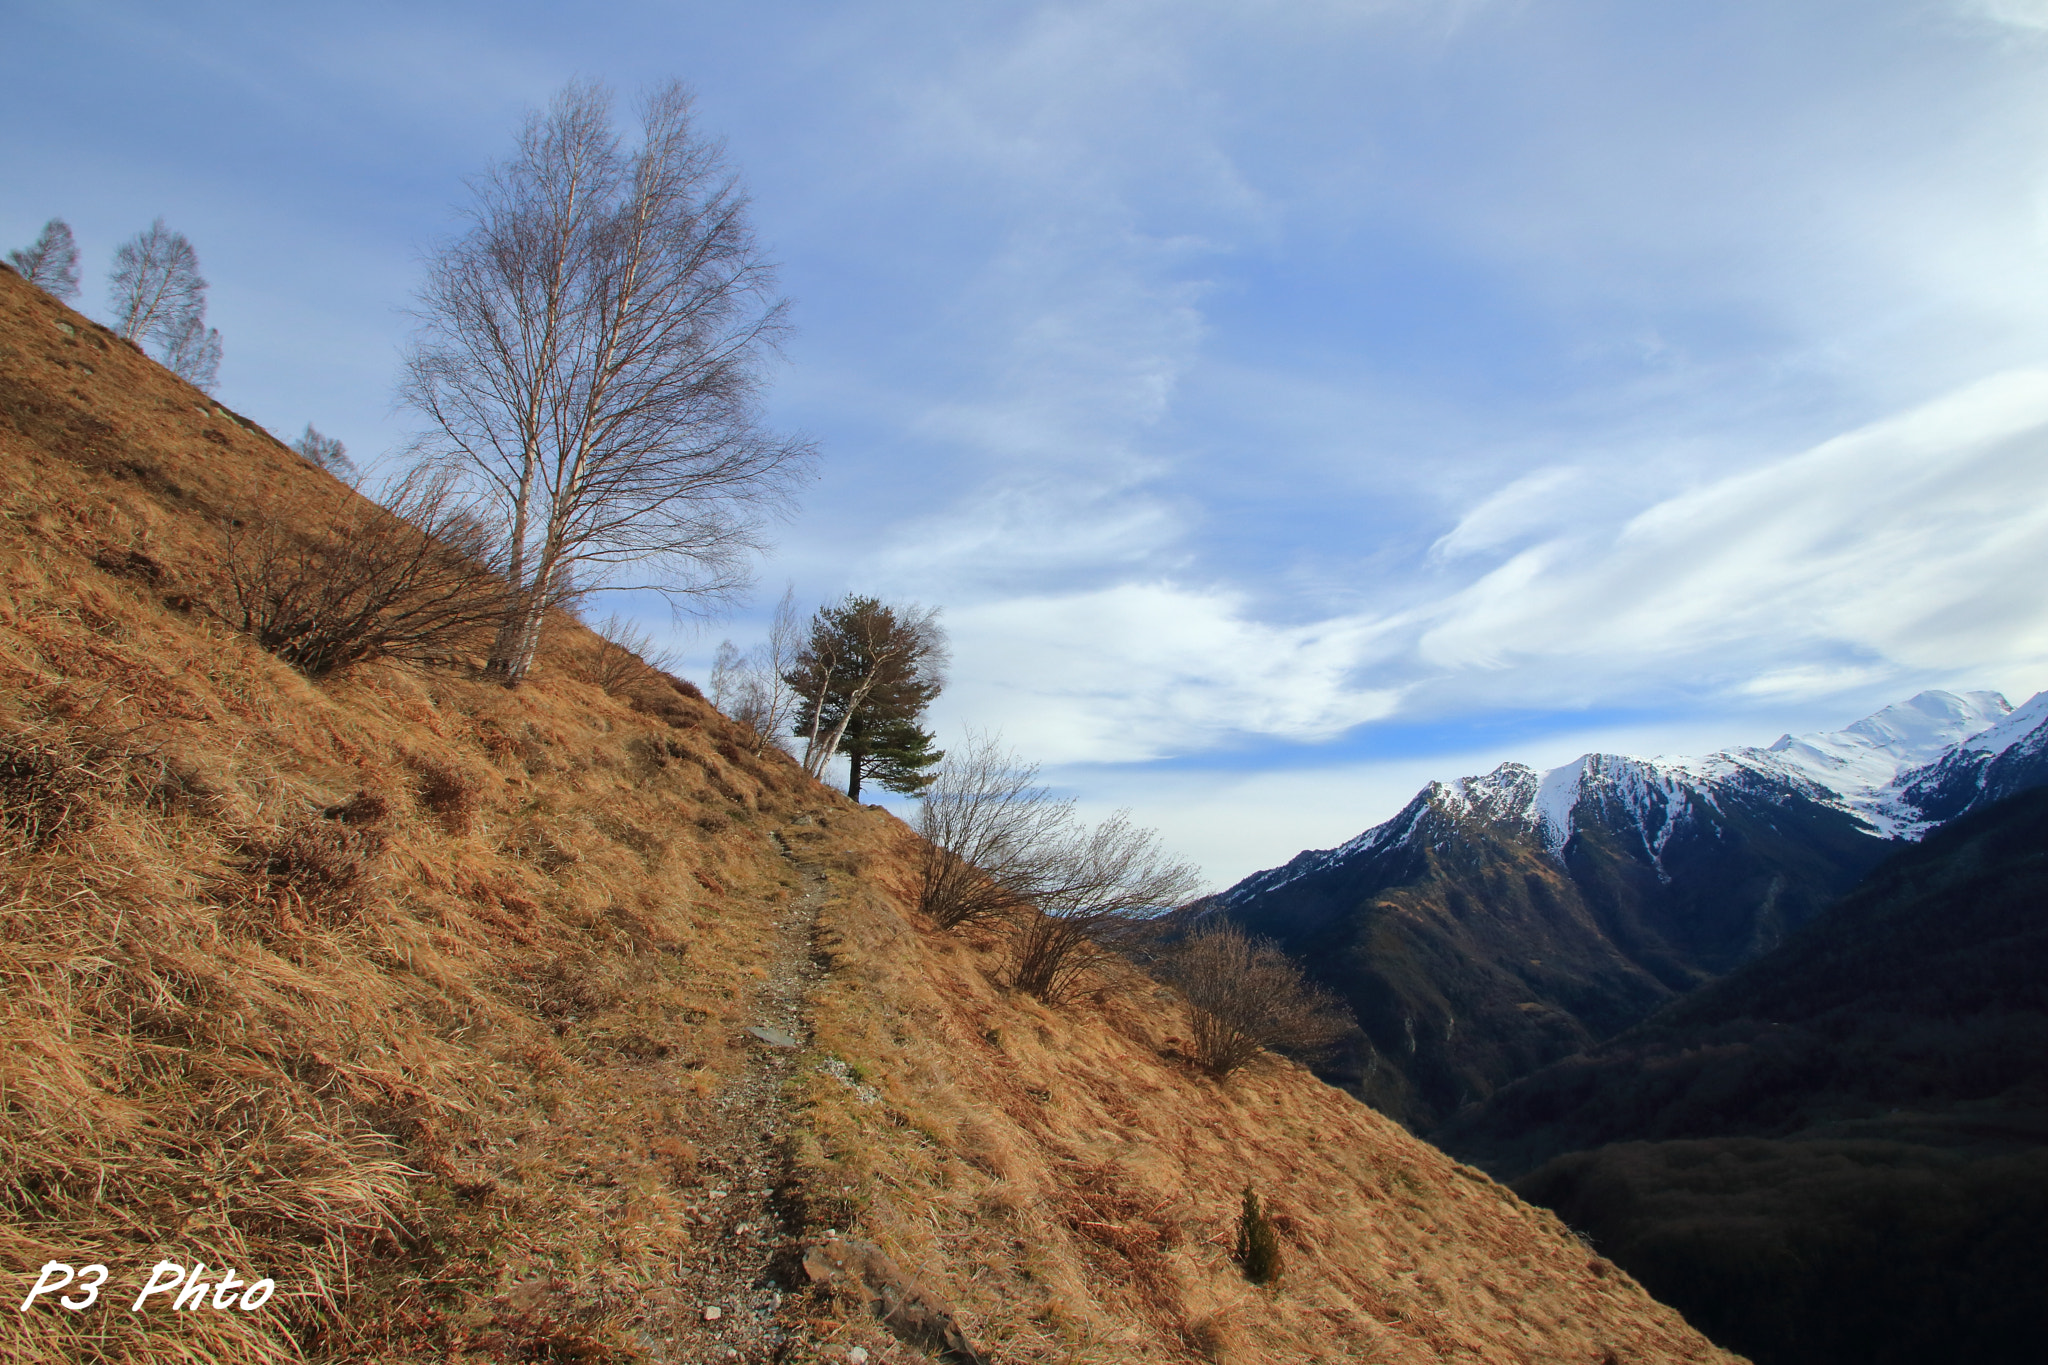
x: 1070, y: 1181
x: 395, y: 988
x: 406, y: 990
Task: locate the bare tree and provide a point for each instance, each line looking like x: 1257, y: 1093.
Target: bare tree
x: 51, y: 261
x: 1245, y: 995
x: 990, y: 835
x: 160, y: 297
x: 591, y: 354
x: 728, y: 673
x: 327, y: 452
x: 193, y: 353
x: 1103, y: 881
x: 750, y: 687
x: 353, y: 581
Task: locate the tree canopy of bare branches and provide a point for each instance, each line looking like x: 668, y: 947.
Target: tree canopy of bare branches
x: 1245, y: 996
x: 750, y: 686
x: 865, y: 676
x: 51, y: 261
x: 990, y: 833
x: 325, y: 451
x: 159, y: 297
x: 591, y: 354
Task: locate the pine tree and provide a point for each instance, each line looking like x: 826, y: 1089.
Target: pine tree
x: 866, y: 676
x: 1258, y: 1244
x: 892, y: 751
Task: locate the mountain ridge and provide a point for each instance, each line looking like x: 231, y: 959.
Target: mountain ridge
x: 1527, y: 914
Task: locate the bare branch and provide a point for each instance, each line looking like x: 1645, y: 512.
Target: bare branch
x: 591, y: 353
x: 51, y: 261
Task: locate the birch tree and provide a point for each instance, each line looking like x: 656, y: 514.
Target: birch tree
x: 51, y: 261
x: 591, y: 353
x: 159, y: 297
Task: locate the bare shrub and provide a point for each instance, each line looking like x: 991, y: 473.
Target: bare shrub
x: 315, y: 873
x: 412, y: 581
x: 988, y: 829
x: 1098, y: 884
x: 1246, y: 995
x: 627, y: 655
x: 446, y: 794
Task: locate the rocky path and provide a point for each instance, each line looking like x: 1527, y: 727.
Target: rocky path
x: 729, y: 1303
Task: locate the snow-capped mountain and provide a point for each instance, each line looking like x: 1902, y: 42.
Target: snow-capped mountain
x: 1519, y: 915
x: 1900, y: 771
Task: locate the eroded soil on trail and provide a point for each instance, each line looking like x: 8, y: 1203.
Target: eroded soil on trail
x: 728, y: 1302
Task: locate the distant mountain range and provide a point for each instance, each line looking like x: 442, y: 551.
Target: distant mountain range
x: 1500, y: 923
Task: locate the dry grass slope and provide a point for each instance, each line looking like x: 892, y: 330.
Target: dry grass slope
x: 414, y: 993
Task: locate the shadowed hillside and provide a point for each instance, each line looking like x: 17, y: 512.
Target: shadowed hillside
x: 432, y: 1001
x: 1839, y: 1152
x: 1472, y: 952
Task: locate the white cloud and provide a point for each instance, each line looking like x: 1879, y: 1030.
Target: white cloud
x: 1919, y: 540
x: 2019, y: 13
x: 1139, y: 671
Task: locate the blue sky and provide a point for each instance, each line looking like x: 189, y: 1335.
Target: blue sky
x: 1288, y: 402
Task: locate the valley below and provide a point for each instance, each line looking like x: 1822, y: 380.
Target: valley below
x: 1771, y: 1028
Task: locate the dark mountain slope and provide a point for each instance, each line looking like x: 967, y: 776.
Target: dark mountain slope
x: 1475, y: 946
x: 1839, y: 1152
x: 1925, y: 989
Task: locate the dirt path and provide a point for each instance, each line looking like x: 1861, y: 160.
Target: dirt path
x: 739, y: 1157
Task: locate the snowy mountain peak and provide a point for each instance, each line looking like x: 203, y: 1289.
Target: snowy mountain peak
x: 2016, y: 726
x: 1899, y: 771
x: 1905, y: 734
x: 1861, y: 764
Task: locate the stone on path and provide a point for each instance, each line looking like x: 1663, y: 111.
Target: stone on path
x: 774, y: 1037
x: 713, y: 1313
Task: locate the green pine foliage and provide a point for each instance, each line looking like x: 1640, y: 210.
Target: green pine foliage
x: 1258, y: 1243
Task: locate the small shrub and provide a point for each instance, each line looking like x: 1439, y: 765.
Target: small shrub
x: 46, y: 789
x: 625, y: 656
x: 1258, y: 1243
x: 416, y: 581
x: 447, y: 795
x: 1246, y: 995
x: 364, y: 808
x: 311, y: 873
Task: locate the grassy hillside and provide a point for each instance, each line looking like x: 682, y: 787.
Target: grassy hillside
x: 429, y: 1000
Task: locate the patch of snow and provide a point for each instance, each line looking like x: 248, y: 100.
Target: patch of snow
x: 1557, y: 793
x: 2012, y: 729
x: 1867, y: 756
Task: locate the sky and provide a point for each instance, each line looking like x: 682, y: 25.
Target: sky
x: 1287, y: 402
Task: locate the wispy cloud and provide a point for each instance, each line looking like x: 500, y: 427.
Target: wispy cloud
x: 1141, y: 671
